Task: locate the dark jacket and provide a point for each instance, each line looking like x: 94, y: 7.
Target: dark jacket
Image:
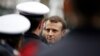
x: 79, y: 42
x: 32, y: 45
x: 6, y: 50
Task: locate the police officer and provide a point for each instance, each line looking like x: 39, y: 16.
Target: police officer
x: 84, y: 36
x: 11, y: 30
x: 35, y: 12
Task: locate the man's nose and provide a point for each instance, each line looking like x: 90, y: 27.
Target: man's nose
x: 50, y: 32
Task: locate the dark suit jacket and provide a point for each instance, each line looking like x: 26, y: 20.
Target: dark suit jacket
x: 5, y: 52
x: 79, y: 42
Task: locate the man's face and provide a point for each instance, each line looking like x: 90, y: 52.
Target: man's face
x: 52, y: 31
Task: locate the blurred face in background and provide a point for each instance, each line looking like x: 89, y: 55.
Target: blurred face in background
x: 52, y: 31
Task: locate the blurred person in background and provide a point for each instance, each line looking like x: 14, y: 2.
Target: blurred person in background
x: 11, y: 33
x: 84, y: 36
x: 53, y: 29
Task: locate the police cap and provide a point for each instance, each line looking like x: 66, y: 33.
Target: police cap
x: 33, y: 8
x: 14, y: 24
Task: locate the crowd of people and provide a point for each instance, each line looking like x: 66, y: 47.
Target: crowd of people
x: 31, y: 32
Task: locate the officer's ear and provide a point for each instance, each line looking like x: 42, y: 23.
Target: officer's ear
x: 41, y: 24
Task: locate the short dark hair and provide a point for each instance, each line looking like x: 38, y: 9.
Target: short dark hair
x: 56, y: 19
x: 34, y: 20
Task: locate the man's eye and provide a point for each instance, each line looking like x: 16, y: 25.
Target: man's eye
x: 47, y: 30
x: 54, y: 30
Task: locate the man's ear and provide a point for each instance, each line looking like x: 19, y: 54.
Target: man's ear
x: 65, y: 32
